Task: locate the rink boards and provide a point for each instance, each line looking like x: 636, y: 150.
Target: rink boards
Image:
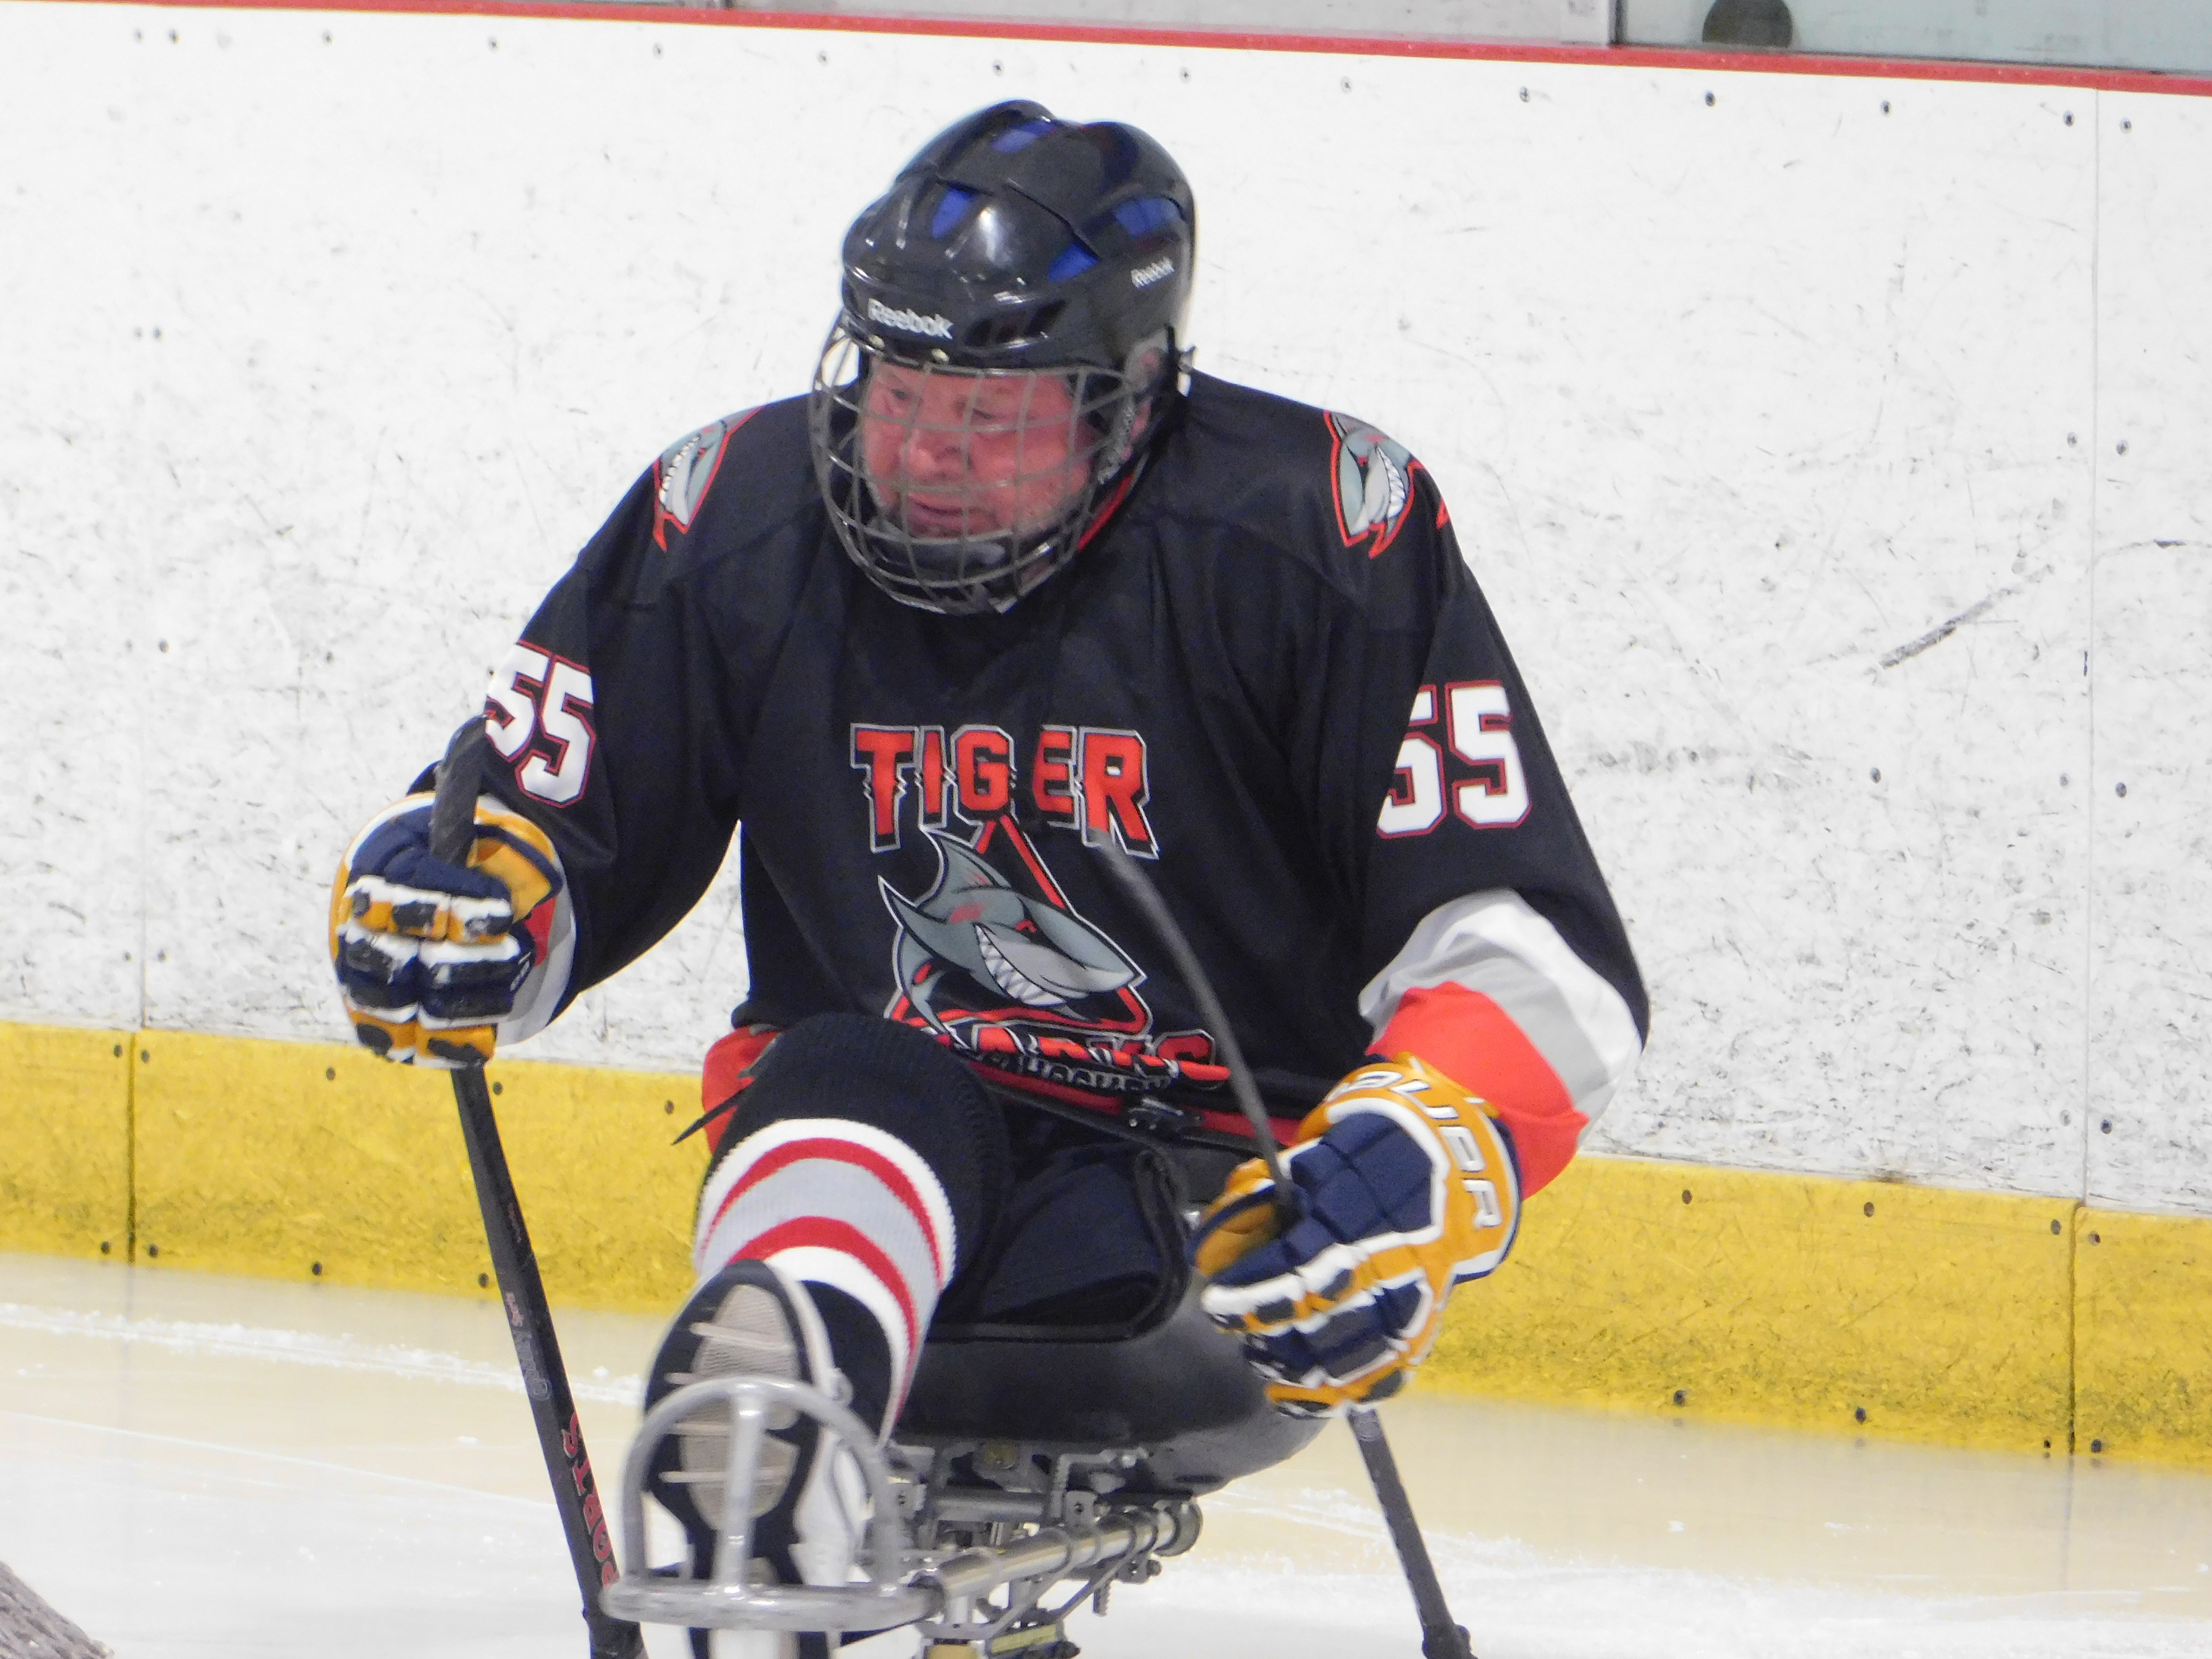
x: 1830, y: 445
x: 1859, y: 1307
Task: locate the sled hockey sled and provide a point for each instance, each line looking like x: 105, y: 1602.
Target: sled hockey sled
x: 1030, y: 1471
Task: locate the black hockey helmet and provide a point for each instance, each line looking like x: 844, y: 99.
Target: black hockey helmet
x: 1014, y: 246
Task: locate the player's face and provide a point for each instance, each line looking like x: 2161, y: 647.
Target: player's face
x: 957, y: 456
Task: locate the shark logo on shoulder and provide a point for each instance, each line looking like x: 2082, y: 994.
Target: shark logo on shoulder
x: 1372, y: 478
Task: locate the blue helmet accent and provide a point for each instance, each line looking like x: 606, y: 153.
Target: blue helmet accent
x: 1074, y: 259
x: 949, y: 211
x: 1021, y: 240
x: 1022, y: 137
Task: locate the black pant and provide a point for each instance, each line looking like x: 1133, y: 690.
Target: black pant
x: 1058, y: 1224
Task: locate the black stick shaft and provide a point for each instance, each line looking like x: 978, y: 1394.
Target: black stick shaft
x: 1442, y: 1637
x: 1140, y: 888
x: 522, y: 1291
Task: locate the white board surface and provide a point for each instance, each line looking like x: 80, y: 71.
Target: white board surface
x: 1779, y: 429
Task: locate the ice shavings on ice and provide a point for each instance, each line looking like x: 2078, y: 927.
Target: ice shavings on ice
x: 1522, y: 1604
x: 300, y: 1348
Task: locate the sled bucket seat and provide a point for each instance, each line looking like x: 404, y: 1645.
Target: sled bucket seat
x: 1178, y: 1394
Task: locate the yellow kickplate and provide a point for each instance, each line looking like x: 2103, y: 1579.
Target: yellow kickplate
x: 65, y: 1141
x: 1860, y: 1306
x: 2143, y: 1337
x: 1967, y: 1317
x: 303, y: 1161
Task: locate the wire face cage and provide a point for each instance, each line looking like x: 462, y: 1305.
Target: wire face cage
x: 955, y: 489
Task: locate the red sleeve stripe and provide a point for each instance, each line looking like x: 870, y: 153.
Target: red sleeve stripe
x: 1493, y: 943
x: 1475, y: 1043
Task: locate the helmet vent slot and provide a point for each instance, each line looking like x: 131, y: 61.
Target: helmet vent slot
x: 1147, y: 213
x: 952, y: 208
x: 1074, y: 259
x: 1022, y: 137
x: 993, y: 333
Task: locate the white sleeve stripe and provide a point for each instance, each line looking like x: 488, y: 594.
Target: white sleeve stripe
x: 539, y: 999
x: 1494, y: 944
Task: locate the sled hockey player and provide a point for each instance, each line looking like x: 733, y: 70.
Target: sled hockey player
x: 1012, y: 584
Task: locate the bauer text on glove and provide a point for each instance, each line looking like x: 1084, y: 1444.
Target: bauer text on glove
x: 1405, y: 1185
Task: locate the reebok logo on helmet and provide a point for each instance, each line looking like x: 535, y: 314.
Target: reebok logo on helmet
x: 1145, y: 276
x: 910, y: 322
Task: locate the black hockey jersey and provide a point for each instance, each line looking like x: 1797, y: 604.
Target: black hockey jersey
x: 1270, y: 675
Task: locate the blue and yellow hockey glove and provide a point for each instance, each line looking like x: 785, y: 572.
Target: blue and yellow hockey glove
x: 1405, y: 1187
x: 429, y: 956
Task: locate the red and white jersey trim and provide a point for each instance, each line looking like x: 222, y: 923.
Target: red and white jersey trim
x: 1493, y: 944
x: 539, y: 999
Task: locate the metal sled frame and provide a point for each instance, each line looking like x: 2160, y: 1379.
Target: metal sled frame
x: 936, y: 1556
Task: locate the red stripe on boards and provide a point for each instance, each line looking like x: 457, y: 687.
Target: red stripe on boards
x: 1723, y: 62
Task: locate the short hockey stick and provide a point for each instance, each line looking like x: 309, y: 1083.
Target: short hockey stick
x: 1441, y: 1636
x: 530, y: 1322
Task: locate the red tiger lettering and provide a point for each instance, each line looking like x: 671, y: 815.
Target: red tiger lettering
x: 1052, y: 781
x: 934, y: 792
x: 881, y: 754
x: 983, y: 771
x: 1114, y: 790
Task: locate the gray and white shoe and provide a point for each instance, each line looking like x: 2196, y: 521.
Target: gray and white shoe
x: 750, y: 1319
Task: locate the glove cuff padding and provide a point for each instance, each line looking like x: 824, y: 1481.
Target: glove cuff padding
x: 1406, y: 1185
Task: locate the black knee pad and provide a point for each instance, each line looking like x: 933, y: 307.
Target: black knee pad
x: 896, y: 1079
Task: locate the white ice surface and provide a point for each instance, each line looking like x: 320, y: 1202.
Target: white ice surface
x: 197, y: 1466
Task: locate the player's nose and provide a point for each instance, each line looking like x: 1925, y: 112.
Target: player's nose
x: 933, y: 449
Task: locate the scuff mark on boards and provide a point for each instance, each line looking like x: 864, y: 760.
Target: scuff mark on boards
x: 1943, y: 631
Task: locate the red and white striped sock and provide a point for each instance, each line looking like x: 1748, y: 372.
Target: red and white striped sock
x: 845, y: 1207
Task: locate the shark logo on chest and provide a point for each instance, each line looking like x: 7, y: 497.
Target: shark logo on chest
x: 994, y: 961
x: 1036, y: 954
